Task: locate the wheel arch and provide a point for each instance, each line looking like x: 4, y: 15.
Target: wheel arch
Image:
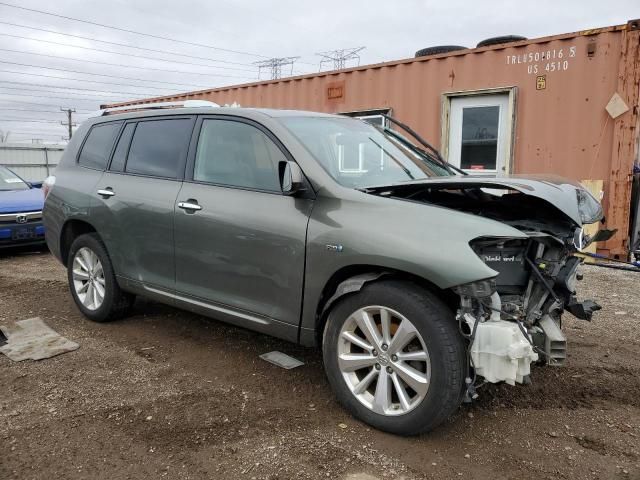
x: 71, y: 230
x: 351, y: 279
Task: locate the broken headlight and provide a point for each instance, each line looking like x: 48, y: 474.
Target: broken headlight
x: 589, y: 208
x: 580, y: 239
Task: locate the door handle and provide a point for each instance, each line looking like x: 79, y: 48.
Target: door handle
x: 106, y: 192
x: 190, y: 206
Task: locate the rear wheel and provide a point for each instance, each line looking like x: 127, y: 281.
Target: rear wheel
x: 394, y: 357
x: 92, y: 281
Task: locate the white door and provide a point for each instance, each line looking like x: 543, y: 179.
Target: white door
x: 479, y: 133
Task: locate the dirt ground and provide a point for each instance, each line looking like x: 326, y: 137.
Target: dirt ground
x: 168, y: 394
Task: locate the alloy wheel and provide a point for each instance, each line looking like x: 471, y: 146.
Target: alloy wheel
x: 383, y: 360
x: 88, y: 278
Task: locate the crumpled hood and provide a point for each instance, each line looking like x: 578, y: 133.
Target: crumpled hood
x: 30, y: 200
x: 558, y: 191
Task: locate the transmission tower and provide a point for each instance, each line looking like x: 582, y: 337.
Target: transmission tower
x: 340, y: 57
x: 274, y: 65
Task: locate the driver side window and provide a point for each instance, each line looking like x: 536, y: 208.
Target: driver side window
x: 237, y: 155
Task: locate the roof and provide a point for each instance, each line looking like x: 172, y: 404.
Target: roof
x: 253, y: 113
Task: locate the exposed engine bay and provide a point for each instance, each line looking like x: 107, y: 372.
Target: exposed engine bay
x: 514, y: 318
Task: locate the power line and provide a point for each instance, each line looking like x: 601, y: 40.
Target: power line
x: 123, y: 66
x: 101, y: 74
x: 129, y: 46
x: 34, y: 103
x: 4, y: 109
x: 133, y: 55
x: 50, y: 96
x: 47, y: 85
x: 28, y: 120
x: 13, y: 132
x: 239, y: 52
x: 84, y: 80
x: 82, y: 96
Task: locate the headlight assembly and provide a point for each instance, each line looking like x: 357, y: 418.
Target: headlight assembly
x: 589, y: 208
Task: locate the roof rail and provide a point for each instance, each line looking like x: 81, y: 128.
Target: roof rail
x: 155, y: 106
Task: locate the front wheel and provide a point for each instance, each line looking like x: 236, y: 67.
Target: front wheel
x: 394, y: 357
x: 92, y: 281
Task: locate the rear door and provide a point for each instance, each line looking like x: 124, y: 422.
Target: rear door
x: 240, y: 243
x: 136, y: 198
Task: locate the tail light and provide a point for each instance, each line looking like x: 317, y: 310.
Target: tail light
x: 48, y: 184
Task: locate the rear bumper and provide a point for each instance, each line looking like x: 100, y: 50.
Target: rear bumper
x: 19, y: 234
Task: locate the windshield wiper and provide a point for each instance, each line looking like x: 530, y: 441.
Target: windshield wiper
x: 446, y: 165
x: 396, y: 161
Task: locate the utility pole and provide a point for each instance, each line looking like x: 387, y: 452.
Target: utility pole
x: 275, y: 66
x: 69, y: 123
x: 340, y: 57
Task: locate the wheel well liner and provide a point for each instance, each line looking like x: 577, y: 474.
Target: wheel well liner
x: 351, y: 279
x: 71, y: 230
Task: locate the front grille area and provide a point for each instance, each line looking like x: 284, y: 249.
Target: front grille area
x: 14, y: 218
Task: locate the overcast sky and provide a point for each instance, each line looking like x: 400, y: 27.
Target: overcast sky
x: 254, y: 30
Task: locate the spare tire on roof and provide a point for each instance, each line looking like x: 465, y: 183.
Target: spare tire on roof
x: 425, y: 52
x: 501, y: 39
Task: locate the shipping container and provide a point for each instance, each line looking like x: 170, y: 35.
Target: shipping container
x: 565, y: 104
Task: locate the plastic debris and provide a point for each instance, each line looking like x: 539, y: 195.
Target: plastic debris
x: 281, y: 360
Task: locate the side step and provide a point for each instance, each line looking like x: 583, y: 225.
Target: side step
x: 555, y: 343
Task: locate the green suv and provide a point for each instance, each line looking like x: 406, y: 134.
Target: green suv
x: 416, y: 280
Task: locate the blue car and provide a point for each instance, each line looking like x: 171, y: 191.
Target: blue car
x: 21, y: 205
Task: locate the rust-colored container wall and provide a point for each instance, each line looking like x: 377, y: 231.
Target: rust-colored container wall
x: 558, y: 89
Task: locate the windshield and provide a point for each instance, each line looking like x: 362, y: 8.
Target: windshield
x: 359, y: 155
x: 10, y: 181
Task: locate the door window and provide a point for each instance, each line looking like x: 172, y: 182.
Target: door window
x: 159, y: 147
x: 237, y: 154
x: 97, y: 146
x: 120, y: 154
x: 479, y: 137
x: 478, y: 133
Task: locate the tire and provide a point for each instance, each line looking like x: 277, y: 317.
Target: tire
x: 425, y: 52
x: 115, y: 303
x: 499, y: 40
x: 444, y: 371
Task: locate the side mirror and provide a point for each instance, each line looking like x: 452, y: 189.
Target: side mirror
x: 291, y: 178
x: 35, y: 184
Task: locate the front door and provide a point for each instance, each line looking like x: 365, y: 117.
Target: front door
x: 239, y: 242
x: 479, y: 133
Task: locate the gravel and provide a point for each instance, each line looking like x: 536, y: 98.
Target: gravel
x: 169, y: 394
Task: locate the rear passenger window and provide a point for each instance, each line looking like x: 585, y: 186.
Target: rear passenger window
x: 120, y: 154
x: 97, y: 146
x: 237, y: 154
x: 159, y: 147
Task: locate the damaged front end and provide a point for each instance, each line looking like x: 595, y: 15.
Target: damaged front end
x: 514, y: 318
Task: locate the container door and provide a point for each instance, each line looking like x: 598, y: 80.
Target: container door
x: 478, y: 134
